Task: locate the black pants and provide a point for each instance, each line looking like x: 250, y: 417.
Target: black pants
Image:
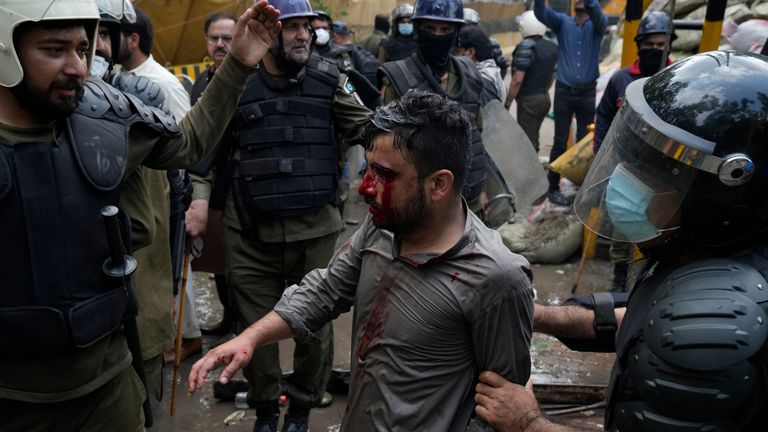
x: 569, y: 101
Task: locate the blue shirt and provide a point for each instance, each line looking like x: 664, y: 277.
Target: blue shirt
x: 579, y: 46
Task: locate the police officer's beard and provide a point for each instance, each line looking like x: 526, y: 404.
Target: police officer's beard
x: 436, y: 50
x: 288, y: 59
x: 44, y: 106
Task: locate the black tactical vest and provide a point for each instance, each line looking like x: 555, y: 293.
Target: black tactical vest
x: 539, y: 75
x: 288, y: 163
x: 413, y: 73
x: 691, y: 351
x: 399, y: 48
x: 53, y: 293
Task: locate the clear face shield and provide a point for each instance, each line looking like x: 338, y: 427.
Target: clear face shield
x: 641, y: 174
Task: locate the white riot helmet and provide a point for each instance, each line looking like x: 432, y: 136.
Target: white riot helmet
x: 15, y: 12
x: 530, y: 26
x: 471, y: 16
x: 404, y: 10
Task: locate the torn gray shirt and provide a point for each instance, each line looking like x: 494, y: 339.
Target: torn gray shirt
x: 424, y: 326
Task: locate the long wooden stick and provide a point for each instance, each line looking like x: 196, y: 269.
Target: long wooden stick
x: 179, y: 325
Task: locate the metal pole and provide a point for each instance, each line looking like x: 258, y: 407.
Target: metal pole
x: 713, y: 25
x: 179, y: 325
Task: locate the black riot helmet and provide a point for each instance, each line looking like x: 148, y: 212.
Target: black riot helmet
x: 688, y: 153
x: 655, y: 22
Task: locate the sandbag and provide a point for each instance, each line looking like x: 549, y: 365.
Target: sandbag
x: 549, y: 239
x: 575, y: 162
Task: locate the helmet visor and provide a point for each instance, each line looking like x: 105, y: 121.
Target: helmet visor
x: 633, y: 191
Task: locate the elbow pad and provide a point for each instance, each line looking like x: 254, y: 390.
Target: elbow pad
x: 603, y: 304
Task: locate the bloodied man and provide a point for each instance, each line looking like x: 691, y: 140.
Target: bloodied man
x: 437, y: 296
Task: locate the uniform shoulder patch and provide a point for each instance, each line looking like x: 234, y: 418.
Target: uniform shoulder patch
x: 348, y: 87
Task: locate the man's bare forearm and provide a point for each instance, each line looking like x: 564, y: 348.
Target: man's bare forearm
x: 574, y: 322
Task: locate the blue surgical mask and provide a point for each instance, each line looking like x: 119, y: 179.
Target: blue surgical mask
x: 626, y: 201
x: 405, y: 29
x: 99, y: 66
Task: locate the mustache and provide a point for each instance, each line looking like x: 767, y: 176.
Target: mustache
x: 221, y: 50
x: 372, y: 203
x: 67, y: 84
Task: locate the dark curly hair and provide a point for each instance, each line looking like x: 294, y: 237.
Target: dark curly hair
x: 431, y: 131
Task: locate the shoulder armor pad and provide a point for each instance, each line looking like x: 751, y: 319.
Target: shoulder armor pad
x: 706, y: 315
x: 523, y: 56
x: 142, y: 87
x: 99, y: 97
x: 324, y: 70
x: 154, y: 117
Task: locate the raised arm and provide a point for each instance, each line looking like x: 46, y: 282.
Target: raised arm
x: 547, y: 16
x: 206, y: 122
x: 599, y: 20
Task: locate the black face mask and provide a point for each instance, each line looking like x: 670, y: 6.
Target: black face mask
x: 435, y: 50
x: 650, y: 60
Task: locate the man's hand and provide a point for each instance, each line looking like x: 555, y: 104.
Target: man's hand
x: 196, y: 218
x: 506, y: 406
x: 235, y: 354
x: 254, y: 33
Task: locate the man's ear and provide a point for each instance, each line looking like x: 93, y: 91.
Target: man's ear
x: 439, y: 185
x: 471, y: 53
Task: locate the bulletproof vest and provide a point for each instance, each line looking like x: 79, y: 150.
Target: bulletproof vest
x: 365, y: 62
x: 691, y: 352
x: 413, y: 73
x: 288, y: 157
x: 399, y: 48
x: 53, y: 293
x: 539, y: 75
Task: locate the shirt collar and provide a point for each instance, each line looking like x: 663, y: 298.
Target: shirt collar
x: 144, y: 67
x: 469, y: 237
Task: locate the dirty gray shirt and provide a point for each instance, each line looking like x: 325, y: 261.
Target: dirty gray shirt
x: 424, y: 326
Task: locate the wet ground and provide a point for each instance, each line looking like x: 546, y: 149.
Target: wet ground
x: 563, y: 380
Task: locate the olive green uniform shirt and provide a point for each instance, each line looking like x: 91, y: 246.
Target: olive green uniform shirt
x: 349, y: 118
x: 63, y: 375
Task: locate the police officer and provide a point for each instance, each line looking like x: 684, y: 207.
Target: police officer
x: 364, y: 62
x: 144, y: 200
x: 472, y: 19
x: 433, y: 68
x: 323, y: 43
x: 682, y: 172
x: 64, y: 153
x: 533, y: 63
x: 401, y: 42
x: 281, y: 212
x: 651, y: 40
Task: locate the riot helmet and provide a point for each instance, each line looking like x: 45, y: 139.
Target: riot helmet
x: 687, y: 153
x: 404, y: 10
x: 321, y: 14
x: 291, y: 9
x: 110, y: 13
x: 15, y: 13
x: 471, y: 16
x: 439, y: 10
x: 530, y: 25
x: 655, y: 22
